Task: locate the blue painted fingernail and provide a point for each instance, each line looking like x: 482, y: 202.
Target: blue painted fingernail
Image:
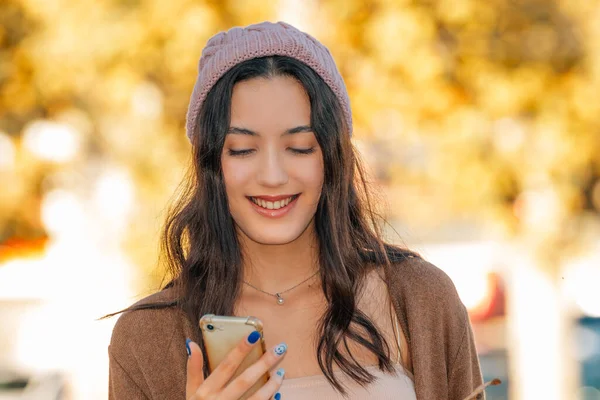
x: 253, y: 337
x: 187, y: 347
x: 280, y: 372
x: 277, y: 396
x: 280, y: 349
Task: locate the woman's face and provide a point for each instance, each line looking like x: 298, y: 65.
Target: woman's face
x: 272, y: 163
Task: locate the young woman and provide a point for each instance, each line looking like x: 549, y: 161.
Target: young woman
x: 276, y: 223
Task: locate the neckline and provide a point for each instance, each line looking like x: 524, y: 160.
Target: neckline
x: 398, y: 367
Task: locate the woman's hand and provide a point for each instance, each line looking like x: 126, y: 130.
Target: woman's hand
x: 215, y: 386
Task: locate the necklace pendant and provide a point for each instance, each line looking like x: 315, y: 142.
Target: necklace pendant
x: 279, y: 299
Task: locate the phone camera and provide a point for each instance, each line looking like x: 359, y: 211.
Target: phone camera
x: 210, y: 327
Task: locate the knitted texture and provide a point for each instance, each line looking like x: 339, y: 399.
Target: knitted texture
x: 227, y: 49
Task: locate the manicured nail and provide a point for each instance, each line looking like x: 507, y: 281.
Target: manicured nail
x: 253, y: 337
x: 280, y: 372
x: 277, y: 396
x: 280, y: 349
x: 187, y: 347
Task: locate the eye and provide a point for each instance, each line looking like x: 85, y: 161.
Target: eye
x: 302, y: 151
x: 244, y: 152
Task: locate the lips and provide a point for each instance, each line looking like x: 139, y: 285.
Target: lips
x: 273, y: 209
x: 273, y: 202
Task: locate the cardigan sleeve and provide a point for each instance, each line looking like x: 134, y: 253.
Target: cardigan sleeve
x: 121, y: 385
x: 438, y: 330
x: 147, y: 352
x: 465, y: 373
x: 127, y: 367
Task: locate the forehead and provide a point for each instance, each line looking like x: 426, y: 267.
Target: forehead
x: 269, y: 104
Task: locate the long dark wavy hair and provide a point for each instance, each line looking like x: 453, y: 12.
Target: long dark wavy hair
x: 201, y: 248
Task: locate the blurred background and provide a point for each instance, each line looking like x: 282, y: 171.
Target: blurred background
x: 479, y: 122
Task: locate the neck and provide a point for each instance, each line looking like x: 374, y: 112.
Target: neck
x: 275, y: 268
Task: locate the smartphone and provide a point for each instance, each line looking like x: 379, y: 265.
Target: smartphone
x: 222, y: 333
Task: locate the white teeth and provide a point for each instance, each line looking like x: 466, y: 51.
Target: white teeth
x: 272, y: 205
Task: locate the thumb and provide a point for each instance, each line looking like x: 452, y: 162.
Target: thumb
x: 195, y: 375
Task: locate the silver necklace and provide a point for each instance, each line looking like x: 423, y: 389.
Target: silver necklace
x: 277, y: 295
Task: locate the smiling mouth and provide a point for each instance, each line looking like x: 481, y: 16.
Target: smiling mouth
x: 273, y: 205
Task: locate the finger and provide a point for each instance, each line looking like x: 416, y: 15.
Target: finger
x: 226, y: 369
x: 254, y: 372
x: 195, y: 375
x: 271, y: 389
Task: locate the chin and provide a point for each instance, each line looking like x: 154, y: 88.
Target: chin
x: 273, y: 238
x: 274, y: 235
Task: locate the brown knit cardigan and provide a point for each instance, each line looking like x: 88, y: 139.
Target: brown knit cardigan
x: 148, y: 357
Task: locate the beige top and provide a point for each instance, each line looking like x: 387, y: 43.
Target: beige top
x: 387, y: 386
x: 397, y: 386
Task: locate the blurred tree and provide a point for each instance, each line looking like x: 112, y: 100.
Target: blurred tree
x: 475, y: 102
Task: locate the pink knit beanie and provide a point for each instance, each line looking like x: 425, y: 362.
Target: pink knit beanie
x: 226, y: 49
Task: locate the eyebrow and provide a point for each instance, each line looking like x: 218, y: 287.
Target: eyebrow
x: 291, y: 131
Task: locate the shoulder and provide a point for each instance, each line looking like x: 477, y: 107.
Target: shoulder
x: 151, y: 330
x: 147, y: 348
x: 419, y: 282
x: 427, y: 301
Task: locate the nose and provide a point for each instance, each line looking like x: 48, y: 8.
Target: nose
x: 272, y: 170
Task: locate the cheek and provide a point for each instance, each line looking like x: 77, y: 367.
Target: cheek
x: 235, y: 176
x: 311, y: 174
